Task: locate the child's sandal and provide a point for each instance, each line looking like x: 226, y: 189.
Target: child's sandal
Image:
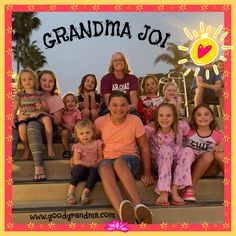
x: 40, y: 177
x: 66, y: 154
x: 85, y: 199
x: 70, y: 198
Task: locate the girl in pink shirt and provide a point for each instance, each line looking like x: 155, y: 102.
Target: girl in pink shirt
x: 70, y: 115
x: 170, y: 92
x: 87, y: 155
x: 207, y: 143
x: 49, y: 87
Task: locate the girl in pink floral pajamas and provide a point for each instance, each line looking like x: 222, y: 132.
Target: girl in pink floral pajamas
x: 170, y: 159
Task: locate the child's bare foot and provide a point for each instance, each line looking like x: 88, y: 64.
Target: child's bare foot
x: 162, y: 199
x: 176, y: 199
x: 26, y: 154
x: 51, y: 152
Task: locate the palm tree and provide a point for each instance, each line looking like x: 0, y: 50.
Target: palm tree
x: 23, y: 24
x: 33, y: 57
x: 174, y: 56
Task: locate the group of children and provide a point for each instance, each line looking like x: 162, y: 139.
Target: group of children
x: 181, y: 152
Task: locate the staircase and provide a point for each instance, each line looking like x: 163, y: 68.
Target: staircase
x: 44, y: 202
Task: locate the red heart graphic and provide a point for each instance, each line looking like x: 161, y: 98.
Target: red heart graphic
x: 203, y: 51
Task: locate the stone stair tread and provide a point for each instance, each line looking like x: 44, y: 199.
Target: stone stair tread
x: 66, y: 178
x: 58, y: 148
x: 55, y: 169
x: 213, y: 213
x: 96, y: 204
x: 210, y: 180
x: 56, y: 190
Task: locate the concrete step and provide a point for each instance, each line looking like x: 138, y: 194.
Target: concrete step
x: 55, y: 169
x: 58, y: 149
x: 43, y: 203
x: 45, y: 212
x: 206, y: 190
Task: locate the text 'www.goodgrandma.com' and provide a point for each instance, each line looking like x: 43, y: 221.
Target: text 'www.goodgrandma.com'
x: 70, y: 216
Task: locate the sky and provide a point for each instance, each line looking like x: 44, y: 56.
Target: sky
x: 71, y: 60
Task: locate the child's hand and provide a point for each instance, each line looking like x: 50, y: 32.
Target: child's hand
x: 38, y: 105
x: 131, y: 108
x: 148, y: 104
x: 147, y: 180
x: 86, y: 94
x: 91, y: 93
x: 69, y: 127
x: 93, y: 163
x: 21, y: 117
x: 218, y: 85
x: 219, y: 82
x: 72, y: 163
x: 218, y: 148
x: 34, y: 114
x: 98, y: 161
x: 172, y: 100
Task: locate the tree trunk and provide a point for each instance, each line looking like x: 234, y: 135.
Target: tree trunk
x: 17, y: 58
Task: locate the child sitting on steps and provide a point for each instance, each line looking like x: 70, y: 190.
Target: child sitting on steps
x: 70, y: 116
x: 32, y: 106
x: 87, y: 155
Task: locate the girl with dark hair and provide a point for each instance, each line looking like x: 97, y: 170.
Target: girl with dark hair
x: 207, y: 143
x: 88, y: 98
x: 121, y: 133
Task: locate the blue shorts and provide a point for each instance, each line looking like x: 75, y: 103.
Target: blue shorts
x: 132, y: 161
x: 29, y: 119
x: 26, y: 121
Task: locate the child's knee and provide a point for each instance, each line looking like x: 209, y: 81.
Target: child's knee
x: 207, y: 157
x: 94, y: 112
x: 119, y: 163
x: 86, y: 110
x: 188, y: 154
x: 219, y: 156
x: 22, y: 127
x: 86, y: 113
x: 46, y: 120
x: 64, y: 133
x: 166, y: 150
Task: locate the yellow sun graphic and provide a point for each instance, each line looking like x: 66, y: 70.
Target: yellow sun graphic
x: 204, y: 49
